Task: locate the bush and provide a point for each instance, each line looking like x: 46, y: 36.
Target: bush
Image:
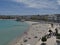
x: 44, y: 39
x: 58, y: 36
x: 50, y: 31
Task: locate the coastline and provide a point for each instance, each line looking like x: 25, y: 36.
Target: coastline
x: 42, y: 30
x: 17, y: 39
x: 30, y: 30
x: 35, y: 29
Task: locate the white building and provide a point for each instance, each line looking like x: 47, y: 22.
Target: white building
x: 58, y: 18
x: 52, y: 17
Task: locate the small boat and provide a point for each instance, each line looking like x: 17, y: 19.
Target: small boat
x: 22, y: 20
x: 18, y: 19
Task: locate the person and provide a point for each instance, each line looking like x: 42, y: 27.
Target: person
x: 50, y: 32
x: 56, y: 31
x: 51, y: 25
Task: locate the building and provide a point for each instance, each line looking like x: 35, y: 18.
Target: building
x: 58, y: 18
x: 52, y: 17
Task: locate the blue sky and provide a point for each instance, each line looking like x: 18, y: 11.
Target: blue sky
x: 29, y: 7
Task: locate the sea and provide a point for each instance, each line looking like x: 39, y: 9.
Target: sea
x: 10, y: 29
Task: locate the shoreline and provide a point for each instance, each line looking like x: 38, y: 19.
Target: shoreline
x: 15, y: 40
x: 34, y: 28
x: 30, y: 31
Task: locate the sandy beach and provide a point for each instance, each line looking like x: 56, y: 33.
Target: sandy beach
x: 33, y: 34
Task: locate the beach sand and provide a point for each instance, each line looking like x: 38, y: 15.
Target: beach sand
x: 33, y: 34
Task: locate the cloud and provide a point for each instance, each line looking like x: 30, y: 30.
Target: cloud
x: 58, y: 1
x: 39, y: 3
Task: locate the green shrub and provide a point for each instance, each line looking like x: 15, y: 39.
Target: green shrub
x: 58, y: 36
x: 44, y: 39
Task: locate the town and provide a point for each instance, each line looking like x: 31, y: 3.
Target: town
x: 47, y: 17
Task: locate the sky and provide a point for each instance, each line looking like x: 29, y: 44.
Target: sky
x: 29, y: 7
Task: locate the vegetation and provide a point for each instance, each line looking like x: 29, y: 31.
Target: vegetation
x: 32, y: 17
x: 44, y: 39
x: 58, y: 36
x: 50, y: 31
x: 7, y: 17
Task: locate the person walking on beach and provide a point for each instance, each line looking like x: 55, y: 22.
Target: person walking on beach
x: 52, y: 25
x: 51, y: 33
x: 56, y: 31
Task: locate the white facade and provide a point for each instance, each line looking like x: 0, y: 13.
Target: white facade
x: 52, y: 17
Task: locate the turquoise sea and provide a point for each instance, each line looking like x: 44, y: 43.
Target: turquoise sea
x: 10, y: 29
